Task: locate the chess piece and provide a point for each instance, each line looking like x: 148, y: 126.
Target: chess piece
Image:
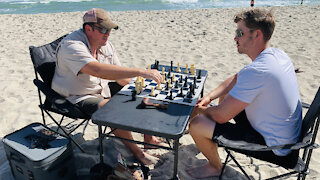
x: 162, y: 71
x: 194, y: 80
x: 134, y: 93
x: 171, y: 66
x: 149, y: 67
x: 156, y: 64
x: 169, y: 83
x: 199, y: 74
x: 173, y: 77
x: 181, y: 92
x: 193, y: 70
x: 159, y: 86
x: 185, y: 82
x: 178, y: 68
x: 187, y: 70
x: 138, y: 87
x: 171, y: 95
x: 152, y: 92
x: 142, y: 82
x: 189, y: 95
x: 163, y: 79
x: 169, y: 73
x: 180, y: 81
x: 176, y: 84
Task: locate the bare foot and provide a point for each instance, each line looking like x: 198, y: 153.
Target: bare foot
x: 203, y: 171
x: 152, y: 140
x: 146, y: 159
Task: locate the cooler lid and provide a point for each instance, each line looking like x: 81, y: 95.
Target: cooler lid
x: 36, y: 142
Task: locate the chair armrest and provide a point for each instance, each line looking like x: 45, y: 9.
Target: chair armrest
x: 243, y: 145
x: 58, y: 103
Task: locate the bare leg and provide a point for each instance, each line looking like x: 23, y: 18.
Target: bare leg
x: 145, y: 158
x: 201, y: 129
x: 152, y: 140
x: 137, y: 152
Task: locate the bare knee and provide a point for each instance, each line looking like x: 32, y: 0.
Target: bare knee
x: 202, y: 126
x: 103, y: 102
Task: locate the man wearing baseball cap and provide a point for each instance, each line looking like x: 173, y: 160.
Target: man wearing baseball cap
x: 86, y: 62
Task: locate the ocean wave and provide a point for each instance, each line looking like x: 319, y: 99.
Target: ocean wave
x: 39, y: 1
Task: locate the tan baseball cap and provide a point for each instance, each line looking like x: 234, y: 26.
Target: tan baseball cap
x: 99, y: 16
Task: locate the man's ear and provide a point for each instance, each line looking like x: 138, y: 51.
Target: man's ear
x: 259, y: 34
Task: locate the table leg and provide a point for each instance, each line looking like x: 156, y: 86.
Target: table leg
x: 175, y: 150
x: 100, y: 143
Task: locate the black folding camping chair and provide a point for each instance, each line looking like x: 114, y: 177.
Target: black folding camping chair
x: 44, y: 62
x: 306, y: 144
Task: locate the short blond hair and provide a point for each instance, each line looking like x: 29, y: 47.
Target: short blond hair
x: 258, y: 19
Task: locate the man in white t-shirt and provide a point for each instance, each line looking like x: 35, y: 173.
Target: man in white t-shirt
x: 86, y: 62
x: 263, y: 99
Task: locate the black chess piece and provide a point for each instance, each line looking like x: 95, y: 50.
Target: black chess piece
x: 171, y: 67
x: 181, y: 93
x: 169, y: 73
x: 180, y: 80
x: 194, y: 80
x: 167, y: 85
x: 171, y: 96
x: 199, y: 74
x: 176, y: 84
x: 165, y: 76
x: 189, y: 94
x: 185, y: 82
x: 134, y: 93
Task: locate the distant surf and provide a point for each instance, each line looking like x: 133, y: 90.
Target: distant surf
x: 53, y: 6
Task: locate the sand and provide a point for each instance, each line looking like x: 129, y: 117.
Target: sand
x: 201, y: 37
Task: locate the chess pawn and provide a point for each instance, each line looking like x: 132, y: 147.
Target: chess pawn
x: 178, y: 68
x: 169, y: 84
x: 159, y: 87
x: 152, y: 92
x: 193, y: 70
x: 173, y: 77
x: 163, y: 79
x: 186, y: 71
x: 162, y: 71
x: 149, y: 67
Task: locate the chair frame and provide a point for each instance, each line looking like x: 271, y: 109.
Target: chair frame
x: 45, y: 89
x: 307, y: 143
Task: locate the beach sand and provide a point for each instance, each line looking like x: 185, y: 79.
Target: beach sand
x: 201, y: 37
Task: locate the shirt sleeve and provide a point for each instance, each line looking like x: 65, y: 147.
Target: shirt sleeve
x: 248, y: 86
x: 74, y: 55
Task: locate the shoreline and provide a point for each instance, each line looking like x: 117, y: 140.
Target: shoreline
x: 203, y: 37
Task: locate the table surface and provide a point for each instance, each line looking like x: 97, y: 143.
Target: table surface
x: 121, y: 112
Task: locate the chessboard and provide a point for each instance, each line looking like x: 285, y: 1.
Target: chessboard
x: 184, y: 89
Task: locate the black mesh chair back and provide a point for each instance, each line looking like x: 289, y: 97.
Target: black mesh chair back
x: 44, y: 62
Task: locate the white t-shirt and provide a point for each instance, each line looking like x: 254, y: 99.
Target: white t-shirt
x: 73, y: 53
x: 270, y: 87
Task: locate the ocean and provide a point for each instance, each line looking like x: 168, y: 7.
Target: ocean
x: 53, y: 6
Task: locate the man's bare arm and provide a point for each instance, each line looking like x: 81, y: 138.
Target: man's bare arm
x: 114, y: 72
x: 226, y: 110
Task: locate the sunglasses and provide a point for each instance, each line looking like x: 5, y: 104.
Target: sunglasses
x: 239, y: 33
x: 101, y: 29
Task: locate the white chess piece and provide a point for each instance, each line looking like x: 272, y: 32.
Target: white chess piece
x: 163, y: 79
x: 178, y: 68
x: 186, y: 71
x: 162, y: 71
x: 152, y: 92
x: 159, y: 86
x: 149, y: 67
x: 169, y: 83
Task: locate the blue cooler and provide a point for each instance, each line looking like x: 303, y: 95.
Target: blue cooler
x: 37, y: 153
